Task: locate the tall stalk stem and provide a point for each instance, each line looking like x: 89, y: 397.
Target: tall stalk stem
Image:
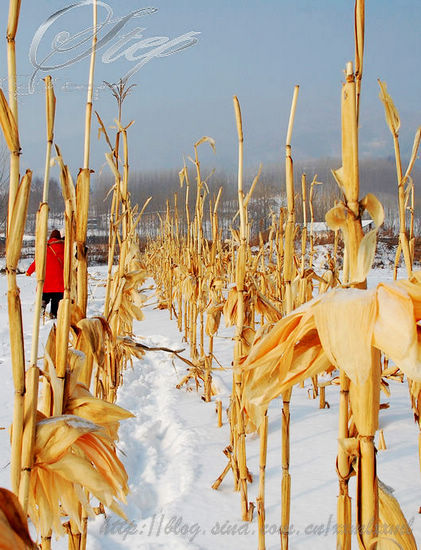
x: 16, y: 218
x: 288, y: 273
x: 31, y: 396
x: 14, y: 169
x: 84, y: 182
x: 240, y: 450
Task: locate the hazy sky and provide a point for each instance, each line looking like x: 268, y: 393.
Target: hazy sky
x: 257, y: 50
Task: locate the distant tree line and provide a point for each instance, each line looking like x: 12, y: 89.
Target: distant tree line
x: 377, y: 176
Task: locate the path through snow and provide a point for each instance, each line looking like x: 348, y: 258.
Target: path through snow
x: 172, y: 450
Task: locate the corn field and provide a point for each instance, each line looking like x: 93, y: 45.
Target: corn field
x: 293, y: 321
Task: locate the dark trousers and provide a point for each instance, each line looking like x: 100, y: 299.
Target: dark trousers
x: 55, y: 298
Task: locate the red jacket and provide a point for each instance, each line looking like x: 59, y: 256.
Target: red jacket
x: 54, y: 267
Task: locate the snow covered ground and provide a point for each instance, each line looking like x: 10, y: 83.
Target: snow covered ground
x: 172, y: 450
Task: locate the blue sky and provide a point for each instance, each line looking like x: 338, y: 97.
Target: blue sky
x: 257, y: 50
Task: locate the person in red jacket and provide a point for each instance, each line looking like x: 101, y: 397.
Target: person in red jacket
x: 53, y: 283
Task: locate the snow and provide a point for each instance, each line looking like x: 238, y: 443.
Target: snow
x: 73, y: 421
x: 172, y: 449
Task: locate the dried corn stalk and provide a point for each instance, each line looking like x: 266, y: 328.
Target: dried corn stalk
x: 83, y: 181
x: 31, y: 396
x: 316, y: 336
x: 405, y: 185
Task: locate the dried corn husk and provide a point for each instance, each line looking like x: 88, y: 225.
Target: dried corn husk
x: 415, y: 391
x: 305, y: 343
x: 349, y: 353
x: 339, y: 217
x: 14, y: 531
x: 93, y: 332
x: 392, y: 115
x: 128, y: 300
x: 231, y: 306
x: 72, y: 454
x: 213, y: 319
x: 8, y: 125
x: 83, y: 404
x: 394, y: 531
x: 266, y: 308
x: 17, y: 228
x: 398, y: 313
